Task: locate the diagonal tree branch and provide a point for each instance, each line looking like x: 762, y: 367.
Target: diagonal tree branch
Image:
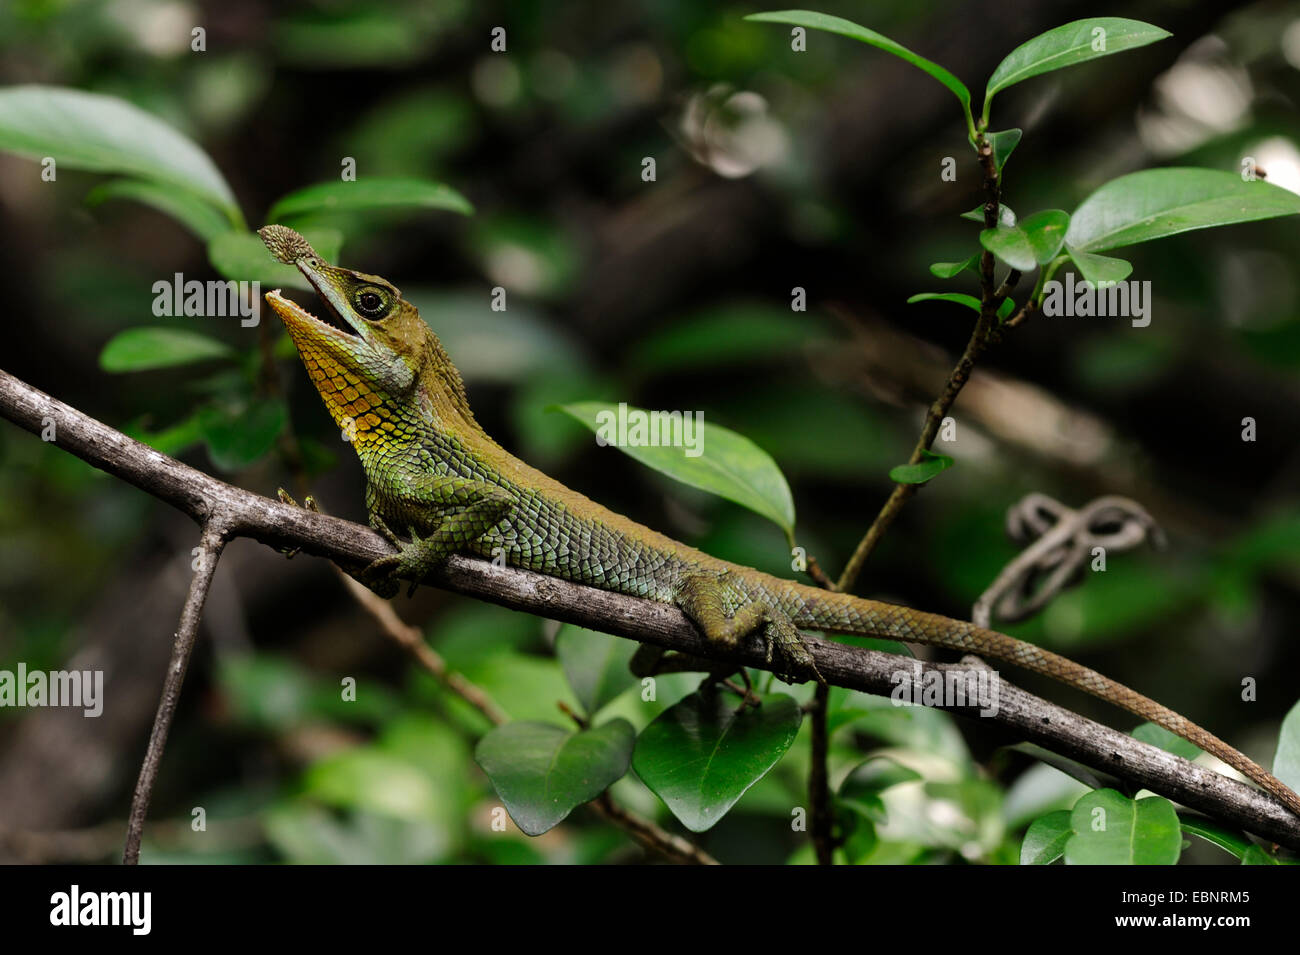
x: 1020, y: 714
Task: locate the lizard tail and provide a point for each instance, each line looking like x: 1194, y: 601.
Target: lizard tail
x: 844, y: 613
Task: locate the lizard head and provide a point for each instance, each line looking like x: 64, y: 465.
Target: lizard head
x: 368, y: 361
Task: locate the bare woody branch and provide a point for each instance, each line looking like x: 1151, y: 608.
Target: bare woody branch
x: 209, y: 553
x: 1020, y: 714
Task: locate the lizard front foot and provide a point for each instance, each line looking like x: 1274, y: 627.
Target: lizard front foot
x: 308, y: 504
x: 414, y: 561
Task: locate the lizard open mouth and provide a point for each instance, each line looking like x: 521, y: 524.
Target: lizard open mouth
x: 300, y: 321
x: 291, y: 248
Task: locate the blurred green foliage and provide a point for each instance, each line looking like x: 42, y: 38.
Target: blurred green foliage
x: 671, y: 294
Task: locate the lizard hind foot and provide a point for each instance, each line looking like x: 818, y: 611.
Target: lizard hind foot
x: 704, y: 601
x: 793, y: 658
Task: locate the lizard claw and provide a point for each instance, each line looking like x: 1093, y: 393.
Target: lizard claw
x: 413, y: 561
x: 796, y: 660
x: 308, y: 503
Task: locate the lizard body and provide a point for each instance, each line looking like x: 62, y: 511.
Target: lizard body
x: 433, y: 472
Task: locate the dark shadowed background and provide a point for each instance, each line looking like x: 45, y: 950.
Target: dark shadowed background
x: 775, y: 170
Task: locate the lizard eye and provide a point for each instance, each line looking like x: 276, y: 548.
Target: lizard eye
x: 371, y: 302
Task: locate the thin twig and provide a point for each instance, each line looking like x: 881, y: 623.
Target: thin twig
x: 649, y: 835
x: 819, y: 791
x: 991, y: 298
x: 213, y: 540
x: 412, y: 641
x: 1020, y: 714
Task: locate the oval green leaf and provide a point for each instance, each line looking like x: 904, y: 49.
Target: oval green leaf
x: 948, y: 270
x: 1257, y: 856
x: 727, y: 464
x: 702, y: 754
x: 961, y: 298
x: 543, y: 772
x: 368, y: 193
x: 106, y: 134
x: 199, y: 216
x: 1108, y: 828
x: 1286, y: 763
x: 1045, y: 840
x: 1154, y: 203
x: 1067, y: 45
x: 596, y: 665
x: 1161, y: 738
x: 1006, y: 215
x: 1003, y: 144
x: 238, y: 437
x: 242, y: 256
x: 930, y: 465
x: 861, y: 789
x: 1031, y: 242
x: 1098, y: 269
x: 138, y: 349
x: 1228, y: 839
x: 822, y: 21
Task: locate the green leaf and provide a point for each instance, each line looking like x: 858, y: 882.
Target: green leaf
x: 107, y: 134
x: 728, y: 464
x: 970, y: 301
x: 1099, y: 268
x: 701, y: 755
x: 822, y: 21
x: 1032, y: 242
x: 368, y: 193
x: 542, y: 772
x: 171, y: 440
x: 1286, y: 764
x: 860, y: 837
x: 1006, y: 216
x: 1045, y: 840
x: 1156, y: 203
x: 197, y: 215
x: 242, y: 256
x: 240, y: 436
x: 1067, y: 45
x: 596, y: 665
x: 930, y: 465
x: 861, y: 789
x: 1160, y: 737
x: 1257, y: 856
x: 947, y: 270
x: 1111, y: 829
x: 1003, y: 143
x: 1233, y: 840
x: 961, y: 298
x: 137, y: 349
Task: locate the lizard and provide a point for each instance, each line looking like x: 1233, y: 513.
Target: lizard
x: 432, y: 471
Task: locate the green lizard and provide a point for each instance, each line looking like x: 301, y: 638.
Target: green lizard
x: 434, y: 473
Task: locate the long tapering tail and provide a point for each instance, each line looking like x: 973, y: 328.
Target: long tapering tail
x: 844, y: 613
